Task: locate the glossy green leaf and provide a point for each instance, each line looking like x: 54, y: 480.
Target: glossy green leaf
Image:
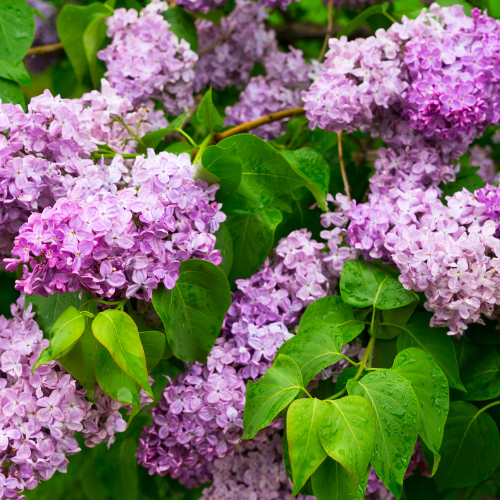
x: 67, y: 329
x: 433, y: 341
x: 332, y: 482
x: 118, y: 333
x: 153, y: 343
x: 71, y: 25
x: 193, y: 311
x: 182, y: 24
x: 286, y: 454
x: 253, y: 239
x: 347, y: 432
x: 152, y: 139
x: 266, y: 174
x: 270, y: 395
x: 392, y: 320
x: 314, y: 349
x: 93, y: 37
x: 335, y: 311
x: 363, y: 284
x: 208, y: 116
x: 15, y: 72
x: 470, y: 449
x: 396, y: 412
x: 11, y: 92
x: 81, y: 359
x: 114, y: 381
x: 8, y: 294
x: 305, y: 449
x: 481, y: 376
x: 226, y: 166
x: 362, y: 17
x: 467, y: 178
x: 17, y: 29
x: 224, y: 243
x: 431, y: 388
x: 313, y: 167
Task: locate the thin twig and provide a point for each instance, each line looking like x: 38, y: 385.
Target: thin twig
x: 216, y: 44
x: 247, y: 126
x: 45, y: 49
x: 329, y: 31
x: 342, y: 168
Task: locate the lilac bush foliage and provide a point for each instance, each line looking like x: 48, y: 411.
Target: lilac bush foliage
x: 117, y: 243
x: 481, y: 157
x: 146, y: 60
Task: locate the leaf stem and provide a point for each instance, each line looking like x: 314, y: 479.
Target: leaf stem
x: 347, y: 188
x: 108, y: 155
x: 187, y: 136
x: 329, y: 31
x: 130, y: 131
x: 487, y: 407
x: 305, y: 390
x: 44, y: 49
x: 203, y: 146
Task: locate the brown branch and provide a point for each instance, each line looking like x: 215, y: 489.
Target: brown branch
x: 245, y: 127
x: 347, y: 188
x: 45, y: 49
x: 329, y: 31
x: 216, y: 44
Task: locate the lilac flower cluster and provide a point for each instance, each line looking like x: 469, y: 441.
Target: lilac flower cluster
x: 121, y: 243
x: 41, y: 412
x: 287, y: 74
x: 199, y: 416
x: 229, y: 51
x: 146, y: 60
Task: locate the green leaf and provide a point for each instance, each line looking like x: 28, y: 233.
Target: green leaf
x: 433, y: 341
x: 305, y: 449
x: 214, y: 16
x: 15, y: 72
x: 17, y: 29
x: 207, y: 114
x: 345, y: 376
x: 431, y: 388
x: 253, y: 239
x: 71, y: 25
x: 312, y: 166
x: 266, y: 174
x: 118, y: 333
x: 224, y: 243
x: 335, y: 311
x: 48, y: 309
x: 396, y: 412
x: 11, y: 92
x: 152, y: 139
x: 8, y: 294
x: 362, y: 17
x: 469, y: 453
x: 272, y: 393
x: 363, y: 284
x: 347, y: 432
x: 393, y: 320
x: 286, y: 453
x: 114, y: 381
x: 314, y: 349
x: 193, y: 311
x: 481, y: 376
x: 332, y: 482
x: 93, y: 38
x: 466, y: 178
x: 68, y: 328
x: 226, y: 166
x: 182, y: 24
x: 81, y: 359
x: 153, y: 343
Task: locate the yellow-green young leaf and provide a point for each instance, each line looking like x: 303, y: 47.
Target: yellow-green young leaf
x: 271, y: 394
x: 331, y: 482
x: 152, y: 139
x: 67, y: 329
x: 304, y: 447
x: 347, y: 432
x: 153, y: 343
x: 118, y: 333
x: 314, y: 349
x: 431, y: 388
x: 207, y: 114
x: 396, y: 412
x: 93, y: 37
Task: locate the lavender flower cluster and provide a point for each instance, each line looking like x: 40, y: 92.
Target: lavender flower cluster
x: 199, y: 416
x: 146, y: 60
x: 41, y: 412
x: 121, y: 243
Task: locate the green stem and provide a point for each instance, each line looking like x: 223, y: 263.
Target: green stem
x: 187, y: 136
x: 108, y: 155
x: 305, y: 390
x: 487, y: 407
x: 130, y: 131
x: 390, y: 17
x: 119, y: 303
x: 351, y: 361
x: 203, y: 146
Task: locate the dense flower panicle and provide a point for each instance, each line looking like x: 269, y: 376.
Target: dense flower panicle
x: 199, y: 416
x: 287, y: 74
x: 235, y: 46
x: 201, y: 5
x: 481, y: 157
x: 146, y: 60
x: 41, y: 412
x: 121, y: 243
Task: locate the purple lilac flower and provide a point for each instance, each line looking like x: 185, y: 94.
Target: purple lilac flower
x: 238, y: 43
x: 121, y: 243
x: 146, y: 60
x: 41, y: 412
x: 278, y: 90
